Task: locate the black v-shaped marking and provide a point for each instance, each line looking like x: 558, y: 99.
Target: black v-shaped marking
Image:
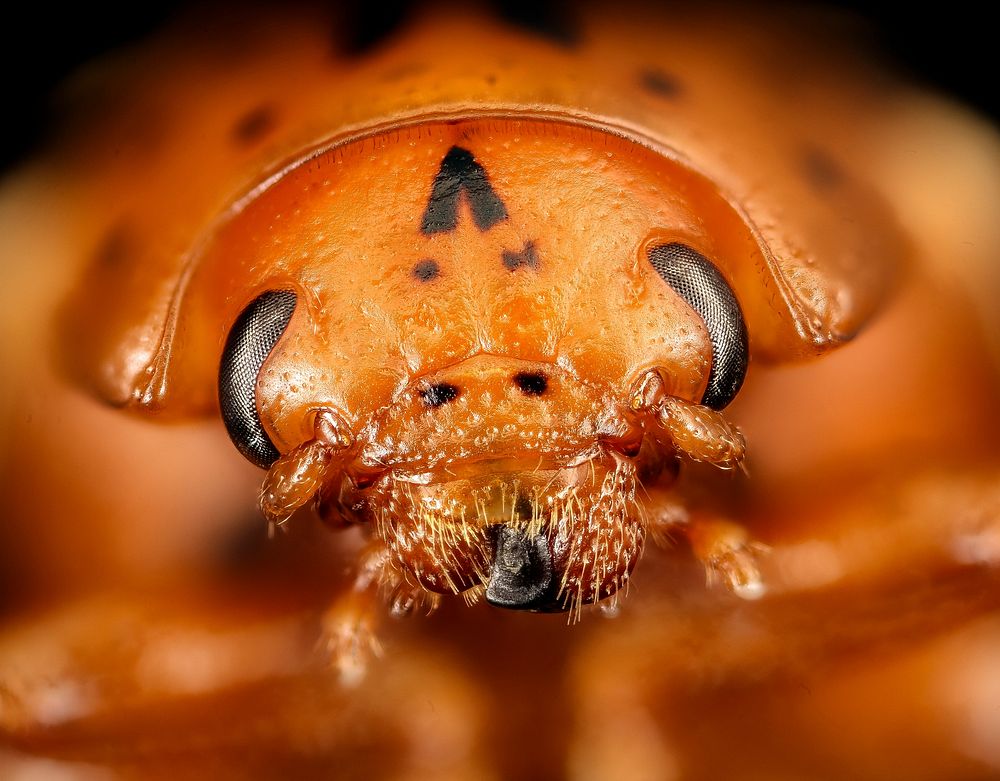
x: 460, y: 171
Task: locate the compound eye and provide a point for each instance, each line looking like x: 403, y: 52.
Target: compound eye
x: 706, y: 291
x: 251, y: 339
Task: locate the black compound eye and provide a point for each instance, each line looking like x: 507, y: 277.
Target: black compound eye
x: 699, y: 283
x: 250, y: 341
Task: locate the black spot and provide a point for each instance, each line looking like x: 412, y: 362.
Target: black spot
x: 531, y: 383
x: 552, y: 20
x: 821, y: 170
x: 459, y: 171
x: 254, y: 125
x: 439, y: 394
x: 363, y: 26
x: 660, y: 83
x: 426, y: 270
x: 526, y: 257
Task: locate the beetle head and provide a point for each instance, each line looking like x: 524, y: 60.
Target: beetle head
x: 464, y: 378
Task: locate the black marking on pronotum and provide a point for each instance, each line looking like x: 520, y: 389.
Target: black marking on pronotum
x: 439, y: 394
x: 361, y: 27
x: 551, y: 20
x: 528, y: 256
x: 531, y: 383
x: 427, y: 270
x: 254, y: 125
x: 699, y: 283
x: 251, y: 339
x: 660, y: 83
x: 460, y: 172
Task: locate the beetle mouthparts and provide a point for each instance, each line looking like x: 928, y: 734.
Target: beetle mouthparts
x: 522, y: 576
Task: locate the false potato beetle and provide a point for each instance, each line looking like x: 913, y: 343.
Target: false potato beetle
x: 490, y: 302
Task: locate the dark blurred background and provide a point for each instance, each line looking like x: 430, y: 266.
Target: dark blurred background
x: 950, y: 46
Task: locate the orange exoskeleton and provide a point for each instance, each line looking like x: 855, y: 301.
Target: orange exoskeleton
x: 487, y: 302
x: 488, y: 377
x: 514, y: 295
x: 484, y: 391
x: 490, y: 325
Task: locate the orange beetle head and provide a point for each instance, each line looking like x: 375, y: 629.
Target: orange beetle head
x: 444, y: 330
x: 510, y: 209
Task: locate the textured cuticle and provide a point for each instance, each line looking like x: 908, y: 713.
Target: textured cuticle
x: 331, y: 429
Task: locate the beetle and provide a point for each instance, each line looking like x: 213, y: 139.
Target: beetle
x: 495, y: 313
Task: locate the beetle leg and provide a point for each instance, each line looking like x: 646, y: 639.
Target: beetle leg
x: 725, y: 548
x: 667, y: 517
x: 729, y: 555
x: 350, y: 625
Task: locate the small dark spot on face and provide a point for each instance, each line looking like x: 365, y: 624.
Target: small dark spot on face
x: 439, y: 394
x: 821, y: 170
x: 531, y: 383
x: 660, y: 83
x: 526, y: 257
x: 254, y: 125
x: 491, y: 79
x: 427, y: 270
